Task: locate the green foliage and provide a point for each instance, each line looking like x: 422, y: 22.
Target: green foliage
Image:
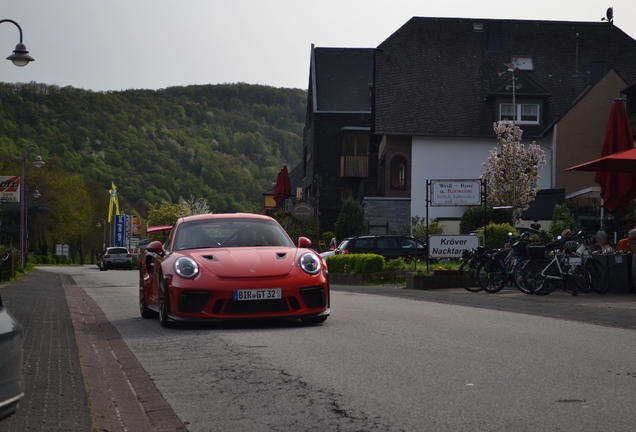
x: 561, y: 220
x: 497, y: 234
x: 224, y: 143
x: 473, y: 218
x: 165, y: 213
x: 418, y: 229
x: 351, y: 220
x: 397, y: 264
x: 327, y: 236
x: 543, y: 237
x: 356, y: 263
x: 309, y: 228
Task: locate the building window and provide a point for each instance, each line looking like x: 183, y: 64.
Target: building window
x: 345, y: 194
x: 523, y: 114
x: 354, y: 161
x: 398, y: 172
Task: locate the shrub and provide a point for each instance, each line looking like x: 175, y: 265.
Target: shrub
x: 561, y: 220
x: 473, y: 218
x: 396, y: 265
x: 497, y: 234
x: 327, y: 236
x: 434, y: 228
x: 56, y: 259
x: 350, y: 221
x: 355, y: 263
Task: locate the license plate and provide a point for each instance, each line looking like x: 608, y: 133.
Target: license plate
x: 258, y: 294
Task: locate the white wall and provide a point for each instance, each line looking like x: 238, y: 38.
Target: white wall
x: 453, y: 158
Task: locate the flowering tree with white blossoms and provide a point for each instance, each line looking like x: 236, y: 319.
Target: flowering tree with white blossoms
x: 512, y: 175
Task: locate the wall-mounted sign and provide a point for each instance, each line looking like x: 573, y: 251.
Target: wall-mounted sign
x: 302, y: 211
x: 450, y: 246
x: 448, y: 193
x: 10, y: 188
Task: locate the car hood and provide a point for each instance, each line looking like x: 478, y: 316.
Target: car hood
x: 248, y: 262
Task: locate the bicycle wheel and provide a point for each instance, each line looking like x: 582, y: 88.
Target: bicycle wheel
x: 549, y: 279
x: 534, y: 279
x: 582, y: 278
x: 597, y: 275
x: 574, y: 279
x: 517, y: 276
x: 494, y: 281
x: 468, y: 278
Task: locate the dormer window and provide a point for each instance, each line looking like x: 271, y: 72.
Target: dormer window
x: 523, y: 114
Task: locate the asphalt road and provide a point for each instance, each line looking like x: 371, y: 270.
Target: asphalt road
x: 383, y: 362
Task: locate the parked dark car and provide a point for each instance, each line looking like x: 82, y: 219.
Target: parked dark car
x: 11, y: 383
x: 389, y: 246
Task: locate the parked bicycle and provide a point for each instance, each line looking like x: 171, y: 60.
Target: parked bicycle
x: 502, y: 266
x: 469, y: 276
x: 570, y: 267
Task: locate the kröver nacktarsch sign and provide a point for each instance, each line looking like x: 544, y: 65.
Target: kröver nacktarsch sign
x: 451, y: 246
x: 455, y: 192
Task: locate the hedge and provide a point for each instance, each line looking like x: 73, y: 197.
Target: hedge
x: 355, y: 263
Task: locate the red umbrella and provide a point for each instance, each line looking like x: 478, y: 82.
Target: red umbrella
x: 286, y: 183
x: 621, y: 162
x: 617, y: 188
x: 278, y: 190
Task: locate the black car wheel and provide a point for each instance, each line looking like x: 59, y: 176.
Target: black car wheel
x: 144, y: 311
x: 163, y: 303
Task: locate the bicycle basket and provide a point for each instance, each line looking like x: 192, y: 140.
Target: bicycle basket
x: 535, y: 250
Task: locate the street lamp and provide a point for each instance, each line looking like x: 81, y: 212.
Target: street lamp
x: 20, y: 56
x: 36, y: 195
x: 100, y: 223
x: 38, y: 162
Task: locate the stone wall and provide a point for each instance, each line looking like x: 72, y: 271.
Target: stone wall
x: 395, y: 211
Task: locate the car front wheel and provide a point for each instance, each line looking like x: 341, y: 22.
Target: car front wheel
x: 163, y: 304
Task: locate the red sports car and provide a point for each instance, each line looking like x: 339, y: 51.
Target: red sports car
x: 217, y: 267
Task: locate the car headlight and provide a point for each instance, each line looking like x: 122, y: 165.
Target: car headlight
x: 310, y: 263
x: 186, y: 268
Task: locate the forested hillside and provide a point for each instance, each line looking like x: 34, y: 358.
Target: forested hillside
x: 225, y: 143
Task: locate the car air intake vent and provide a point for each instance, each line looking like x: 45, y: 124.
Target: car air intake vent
x: 314, y: 297
x: 218, y: 305
x: 281, y: 255
x: 293, y: 301
x: 193, y: 302
x: 210, y: 257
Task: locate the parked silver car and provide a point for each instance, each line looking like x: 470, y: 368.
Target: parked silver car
x: 115, y: 257
x: 11, y: 382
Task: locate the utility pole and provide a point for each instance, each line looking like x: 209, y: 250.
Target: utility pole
x: 513, y: 86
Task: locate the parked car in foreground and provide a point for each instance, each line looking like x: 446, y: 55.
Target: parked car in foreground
x: 389, y: 246
x: 115, y: 257
x: 11, y: 383
x: 217, y: 267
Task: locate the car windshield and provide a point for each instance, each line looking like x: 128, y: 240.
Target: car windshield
x: 225, y: 233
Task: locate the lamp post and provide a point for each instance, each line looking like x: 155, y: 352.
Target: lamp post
x: 38, y: 162
x: 99, y: 225
x: 20, y: 56
x: 36, y: 195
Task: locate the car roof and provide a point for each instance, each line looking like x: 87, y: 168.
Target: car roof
x: 213, y: 216
x: 379, y: 236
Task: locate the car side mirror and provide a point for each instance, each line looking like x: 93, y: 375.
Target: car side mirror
x: 304, y: 242
x: 156, y: 247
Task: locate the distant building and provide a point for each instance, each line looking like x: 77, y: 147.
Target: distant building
x: 429, y: 95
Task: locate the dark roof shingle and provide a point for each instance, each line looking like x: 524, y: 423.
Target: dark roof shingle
x: 434, y: 76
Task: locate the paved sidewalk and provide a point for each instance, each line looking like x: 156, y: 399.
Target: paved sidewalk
x: 79, y: 373
x: 55, y: 395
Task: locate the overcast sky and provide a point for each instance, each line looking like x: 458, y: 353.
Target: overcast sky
x: 123, y: 44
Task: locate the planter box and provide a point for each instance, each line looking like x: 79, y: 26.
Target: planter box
x: 361, y: 279
x: 435, y: 281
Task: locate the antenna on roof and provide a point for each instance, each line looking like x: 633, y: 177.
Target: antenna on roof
x: 609, y: 15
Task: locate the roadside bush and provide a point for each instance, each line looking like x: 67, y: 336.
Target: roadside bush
x: 473, y: 218
x: 497, y: 234
x: 356, y: 263
x: 327, y: 236
x: 396, y: 265
x: 418, y: 229
x: 56, y: 259
x: 351, y: 220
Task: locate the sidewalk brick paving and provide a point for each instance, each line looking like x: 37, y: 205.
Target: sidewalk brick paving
x: 62, y: 325
x: 55, y: 395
